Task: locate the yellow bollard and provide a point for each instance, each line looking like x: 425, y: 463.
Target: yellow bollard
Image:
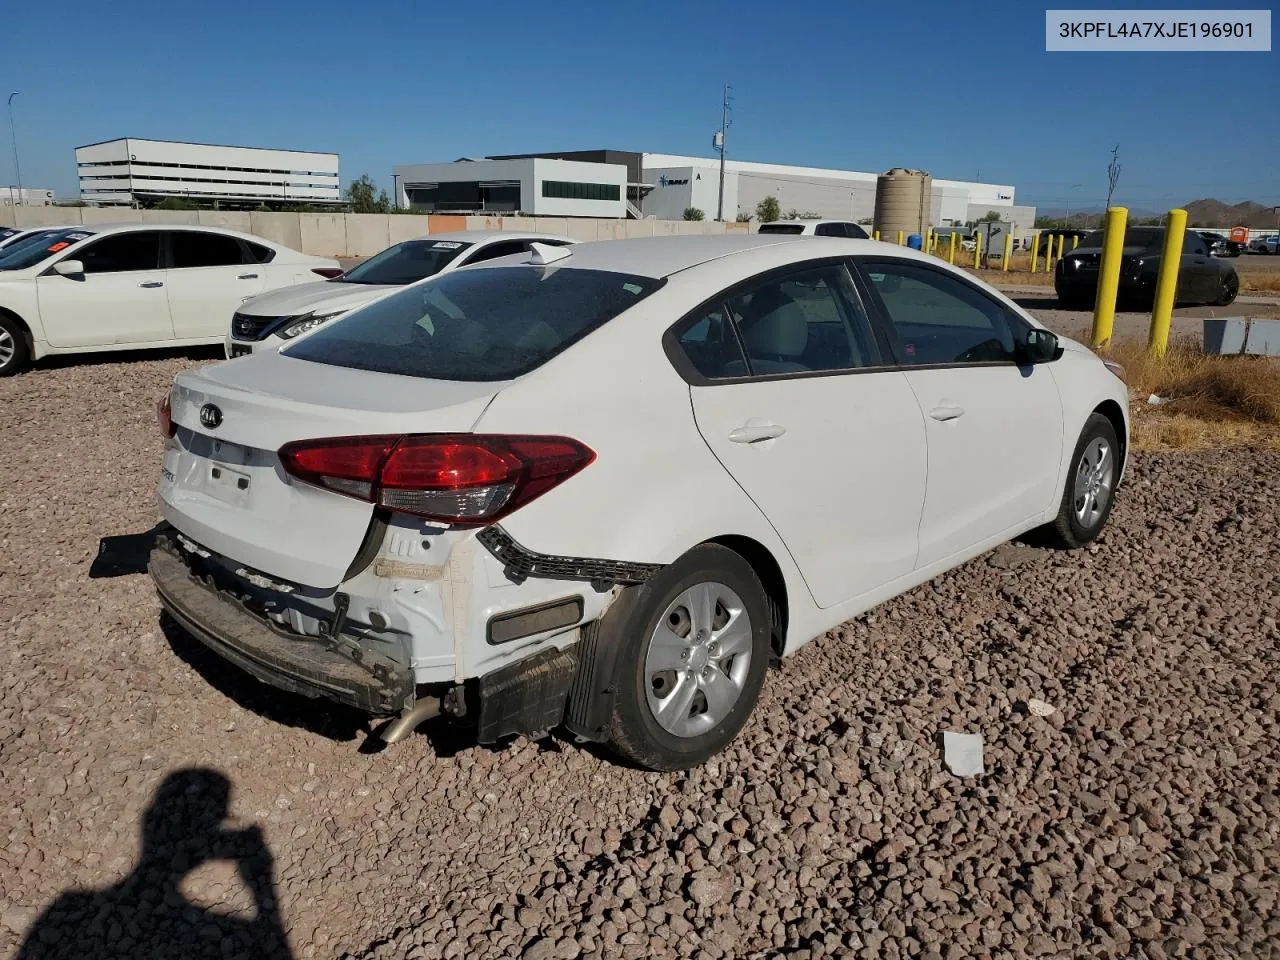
x: 899, y: 238
x: 977, y: 250
x: 1008, y: 252
x: 1104, y: 305
x: 1075, y: 241
x: 875, y: 234
x: 1062, y: 240
x: 1035, y: 252
x: 1167, y: 283
x: 951, y: 254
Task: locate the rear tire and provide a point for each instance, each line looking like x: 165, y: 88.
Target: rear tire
x: 694, y: 652
x: 14, y: 355
x: 1090, y: 489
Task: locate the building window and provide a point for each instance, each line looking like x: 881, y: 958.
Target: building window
x: 567, y: 190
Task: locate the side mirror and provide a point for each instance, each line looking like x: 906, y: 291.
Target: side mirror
x: 69, y: 268
x: 1041, y: 346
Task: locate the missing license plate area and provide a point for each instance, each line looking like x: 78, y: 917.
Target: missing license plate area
x: 525, y: 623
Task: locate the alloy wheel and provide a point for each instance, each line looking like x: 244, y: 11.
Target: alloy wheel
x: 1095, y: 478
x: 698, y: 659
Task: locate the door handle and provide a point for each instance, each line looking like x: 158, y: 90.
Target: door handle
x: 946, y: 411
x: 755, y: 432
x: 151, y: 284
x: 247, y: 276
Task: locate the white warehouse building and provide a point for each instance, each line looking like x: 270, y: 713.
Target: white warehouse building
x: 680, y: 182
x: 129, y: 171
x: 535, y: 186
x: 619, y: 183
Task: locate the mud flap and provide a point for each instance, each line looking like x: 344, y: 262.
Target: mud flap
x: 527, y: 697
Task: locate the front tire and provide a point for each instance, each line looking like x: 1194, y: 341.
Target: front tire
x: 14, y: 355
x: 693, y: 658
x: 1090, y: 489
x: 1230, y: 289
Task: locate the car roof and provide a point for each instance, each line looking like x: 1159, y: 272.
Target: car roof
x: 659, y: 257
x: 811, y: 220
x: 481, y: 236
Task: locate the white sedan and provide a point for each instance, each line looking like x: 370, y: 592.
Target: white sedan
x: 85, y: 289
x: 276, y: 318
x: 604, y: 486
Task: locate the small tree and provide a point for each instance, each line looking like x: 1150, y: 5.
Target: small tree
x: 693, y: 213
x: 768, y: 210
x: 176, y: 203
x: 363, y: 196
x: 744, y: 218
x: 991, y: 216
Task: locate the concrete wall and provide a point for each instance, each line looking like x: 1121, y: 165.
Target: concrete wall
x: 350, y: 235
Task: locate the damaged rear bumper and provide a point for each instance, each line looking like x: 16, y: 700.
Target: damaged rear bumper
x: 314, y: 667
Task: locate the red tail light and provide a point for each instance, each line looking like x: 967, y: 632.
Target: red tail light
x: 455, y: 478
x: 329, y: 273
x: 164, y: 416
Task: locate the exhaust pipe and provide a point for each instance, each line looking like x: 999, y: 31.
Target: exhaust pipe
x: 407, y: 722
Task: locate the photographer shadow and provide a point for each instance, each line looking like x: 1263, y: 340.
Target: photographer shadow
x: 146, y: 916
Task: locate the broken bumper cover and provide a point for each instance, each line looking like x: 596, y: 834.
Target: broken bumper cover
x: 312, y: 667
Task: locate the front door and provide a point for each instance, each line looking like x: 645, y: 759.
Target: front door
x: 830, y: 445
x: 994, y: 427
x: 208, y: 278
x: 120, y: 298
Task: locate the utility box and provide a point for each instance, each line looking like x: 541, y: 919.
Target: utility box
x: 993, y: 234
x: 1242, y: 336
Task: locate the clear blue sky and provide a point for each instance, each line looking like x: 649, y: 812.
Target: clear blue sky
x: 836, y: 83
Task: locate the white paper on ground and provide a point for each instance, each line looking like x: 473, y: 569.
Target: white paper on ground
x: 962, y: 753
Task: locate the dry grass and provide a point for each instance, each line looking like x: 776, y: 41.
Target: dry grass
x: 1212, y: 401
x: 1260, y: 282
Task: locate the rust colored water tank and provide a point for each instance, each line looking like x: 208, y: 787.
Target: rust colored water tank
x: 902, y: 202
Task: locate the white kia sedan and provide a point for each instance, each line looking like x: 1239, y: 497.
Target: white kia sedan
x: 94, y: 288
x: 603, y: 487
x: 276, y: 318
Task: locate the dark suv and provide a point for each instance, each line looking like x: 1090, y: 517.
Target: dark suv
x: 1201, y: 278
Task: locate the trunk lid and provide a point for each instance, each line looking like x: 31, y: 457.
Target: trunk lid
x: 223, y: 486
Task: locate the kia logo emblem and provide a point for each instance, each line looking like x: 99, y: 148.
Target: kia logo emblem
x: 210, y: 416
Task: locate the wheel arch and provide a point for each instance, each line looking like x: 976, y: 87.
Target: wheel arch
x: 1111, y: 410
x: 775, y: 585
x: 22, y: 325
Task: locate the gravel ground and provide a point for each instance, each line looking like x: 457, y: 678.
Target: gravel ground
x: 1140, y: 818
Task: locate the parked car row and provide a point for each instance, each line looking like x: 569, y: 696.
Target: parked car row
x: 1268, y: 244
x: 602, y: 486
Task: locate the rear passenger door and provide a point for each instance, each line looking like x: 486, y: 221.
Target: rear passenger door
x: 209, y: 275
x: 994, y: 427
x: 790, y: 393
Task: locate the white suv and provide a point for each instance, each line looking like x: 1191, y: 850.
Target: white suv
x: 276, y: 318
x: 816, y: 228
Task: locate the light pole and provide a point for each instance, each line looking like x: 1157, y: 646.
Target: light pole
x: 718, y: 142
x: 1074, y: 186
x: 17, y: 169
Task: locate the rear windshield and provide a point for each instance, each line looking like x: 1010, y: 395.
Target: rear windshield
x: 406, y: 262
x: 29, y: 251
x: 782, y: 228
x: 489, y: 324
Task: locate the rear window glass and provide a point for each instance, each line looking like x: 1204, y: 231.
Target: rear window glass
x: 782, y: 228
x: 490, y: 324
